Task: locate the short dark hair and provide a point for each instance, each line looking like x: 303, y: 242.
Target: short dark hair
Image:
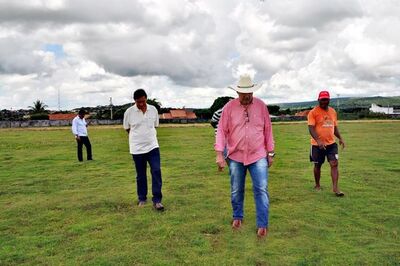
x: 82, y: 111
x: 139, y: 93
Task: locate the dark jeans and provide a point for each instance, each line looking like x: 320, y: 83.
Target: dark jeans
x: 141, y: 160
x: 84, y: 141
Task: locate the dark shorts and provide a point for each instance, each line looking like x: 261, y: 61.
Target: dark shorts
x: 317, y: 155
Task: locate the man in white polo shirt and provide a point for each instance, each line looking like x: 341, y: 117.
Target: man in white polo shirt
x: 79, y: 129
x: 140, y: 121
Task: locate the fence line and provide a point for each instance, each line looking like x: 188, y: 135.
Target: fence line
x: 53, y: 123
x: 63, y: 123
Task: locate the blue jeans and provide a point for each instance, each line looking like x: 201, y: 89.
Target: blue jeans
x: 259, y: 175
x: 153, y: 158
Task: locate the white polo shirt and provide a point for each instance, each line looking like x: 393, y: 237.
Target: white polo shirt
x: 142, y: 134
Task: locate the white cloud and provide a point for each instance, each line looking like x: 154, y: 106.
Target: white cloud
x: 186, y: 52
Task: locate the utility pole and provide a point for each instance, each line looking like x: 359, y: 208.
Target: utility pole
x: 111, y: 108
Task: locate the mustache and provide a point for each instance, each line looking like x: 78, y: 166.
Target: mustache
x: 248, y: 98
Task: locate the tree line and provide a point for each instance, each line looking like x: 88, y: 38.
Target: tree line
x: 38, y: 111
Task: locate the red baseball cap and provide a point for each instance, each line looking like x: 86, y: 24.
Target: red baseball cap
x: 324, y: 95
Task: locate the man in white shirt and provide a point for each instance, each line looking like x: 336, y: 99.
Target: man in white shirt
x: 140, y: 121
x: 79, y: 129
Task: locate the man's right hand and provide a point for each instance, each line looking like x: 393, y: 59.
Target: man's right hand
x: 221, y: 163
x: 321, y: 145
x: 77, y: 138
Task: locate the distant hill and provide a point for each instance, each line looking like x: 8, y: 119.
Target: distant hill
x: 347, y: 102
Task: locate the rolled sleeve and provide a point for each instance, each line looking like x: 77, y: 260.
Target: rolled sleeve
x: 220, y: 139
x: 269, y: 136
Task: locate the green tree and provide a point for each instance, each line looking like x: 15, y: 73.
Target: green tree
x: 286, y: 111
x: 219, y: 103
x: 39, y: 116
x: 155, y: 103
x: 203, y: 113
x: 38, y: 107
x: 273, y: 109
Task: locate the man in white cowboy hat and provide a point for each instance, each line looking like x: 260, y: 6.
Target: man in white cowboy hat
x: 245, y: 128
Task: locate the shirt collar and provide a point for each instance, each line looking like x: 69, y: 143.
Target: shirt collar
x: 245, y: 107
x: 135, y: 108
x: 138, y: 110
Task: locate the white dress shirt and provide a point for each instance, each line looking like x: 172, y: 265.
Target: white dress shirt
x: 142, y: 134
x: 79, y: 127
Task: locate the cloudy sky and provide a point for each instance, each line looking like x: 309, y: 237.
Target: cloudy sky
x: 186, y: 52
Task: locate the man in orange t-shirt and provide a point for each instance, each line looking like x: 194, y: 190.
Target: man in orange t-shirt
x: 322, y: 124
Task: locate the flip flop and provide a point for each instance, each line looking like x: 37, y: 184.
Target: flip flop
x: 339, y: 194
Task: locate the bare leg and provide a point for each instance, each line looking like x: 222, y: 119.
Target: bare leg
x: 317, y: 176
x: 335, y: 175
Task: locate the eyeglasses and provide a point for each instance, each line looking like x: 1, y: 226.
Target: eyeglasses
x: 246, y: 116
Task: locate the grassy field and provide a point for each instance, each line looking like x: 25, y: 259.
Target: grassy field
x: 54, y: 210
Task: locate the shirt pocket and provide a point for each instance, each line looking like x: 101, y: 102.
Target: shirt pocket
x: 150, y: 122
x: 258, y: 123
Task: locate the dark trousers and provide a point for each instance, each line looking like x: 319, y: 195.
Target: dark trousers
x: 141, y: 160
x: 84, y: 141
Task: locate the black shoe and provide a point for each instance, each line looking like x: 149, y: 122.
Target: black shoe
x: 158, y: 206
x: 339, y: 194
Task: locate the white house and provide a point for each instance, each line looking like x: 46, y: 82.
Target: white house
x: 385, y: 110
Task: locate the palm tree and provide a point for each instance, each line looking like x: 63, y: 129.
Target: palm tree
x: 155, y: 103
x: 38, y: 107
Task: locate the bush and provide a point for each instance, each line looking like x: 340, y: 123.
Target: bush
x: 273, y: 109
x: 203, y: 113
x: 40, y: 116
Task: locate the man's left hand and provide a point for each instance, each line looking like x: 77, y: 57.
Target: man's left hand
x: 270, y: 161
x: 341, y: 143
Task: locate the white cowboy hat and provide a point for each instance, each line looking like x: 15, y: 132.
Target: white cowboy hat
x: 245, y: 85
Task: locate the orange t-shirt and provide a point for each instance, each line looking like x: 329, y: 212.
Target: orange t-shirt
x: 324, y: 122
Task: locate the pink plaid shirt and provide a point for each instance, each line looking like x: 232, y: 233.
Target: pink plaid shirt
x: 247, y: 137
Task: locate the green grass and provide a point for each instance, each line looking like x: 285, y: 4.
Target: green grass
x: 54, y: 210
